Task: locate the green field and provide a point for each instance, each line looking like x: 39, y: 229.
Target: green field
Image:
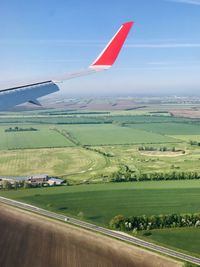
x: 76, y: 163
x: 99, y: 203
x: 112, y: 134
x: 185, y: 239
x: 19, y: 155
x: 169, y: 128
x: 73, y: 163
x: 44, y: 137
x: 64, y: 154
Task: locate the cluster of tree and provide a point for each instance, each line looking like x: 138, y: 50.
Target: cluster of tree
x: 7, y: 185
x: 194, y: 143
x: 106, y: 154
x: 137, y: 223
x: 127, y: 175
x: 85, y: 122
x: 18, y: 129
x: 162, y: 149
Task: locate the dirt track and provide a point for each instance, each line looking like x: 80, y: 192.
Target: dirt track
x: 28, y: 240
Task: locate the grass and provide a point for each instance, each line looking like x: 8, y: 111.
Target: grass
x: 112, y: 134
x: 169, y: 128
x: 44, y: 137
x: 100, y: 203
x: 56, y: 155
x: 185, y: 239
x: 71, y: 162
x: 188, y: 138
x: 76, y: 163
x: 146, y: 118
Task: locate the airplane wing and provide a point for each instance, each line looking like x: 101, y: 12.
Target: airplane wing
x: 10, y: 97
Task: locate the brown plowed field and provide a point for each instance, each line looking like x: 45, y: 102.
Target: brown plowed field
x: 29, y: 240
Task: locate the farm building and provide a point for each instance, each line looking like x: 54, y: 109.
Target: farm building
x: 34, y: 180
x: 55, y: 181
x: 14, y: 178
x: 38, y: 179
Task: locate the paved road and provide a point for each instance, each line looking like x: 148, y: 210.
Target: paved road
x: 132, y: 240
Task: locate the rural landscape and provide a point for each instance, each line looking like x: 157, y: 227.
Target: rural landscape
x: 100, y: 133
x: 122, y: 160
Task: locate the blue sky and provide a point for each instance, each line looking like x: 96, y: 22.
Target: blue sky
x: 161, y: 55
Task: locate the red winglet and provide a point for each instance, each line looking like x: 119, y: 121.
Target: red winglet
x: 109, y: 54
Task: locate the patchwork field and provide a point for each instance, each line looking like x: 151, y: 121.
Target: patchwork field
x: 169, y: 128
x: 110, y: 146
x: 100, y: 203
x: 79, y: 164
x: 43, y: 137
x: 94, y: 135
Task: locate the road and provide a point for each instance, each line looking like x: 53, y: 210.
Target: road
x: 102, y: 230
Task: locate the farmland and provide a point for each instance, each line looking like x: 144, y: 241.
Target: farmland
x: 90, y: 147
x: 186, y: 239
x: 59, y: 244
x: 170, y: 128
x: 69, y: 161
x: 112, y: 135
x: 100, y: 203
x: 43, y: 137
x: 59, y: 149
x: 79, y: 164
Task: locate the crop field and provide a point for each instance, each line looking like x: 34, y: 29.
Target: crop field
x: 59, y: 244
x: 94, y: 135
x: 60, y: 161
x: 100, y: 203
x: 63, y: 119
x: 70, y: 162
x: 169, y: 128
x: 91, y: 147
x: 186, y: 239
x: 146, y: 119
x: 79, y: 164
x: 76, y: 163
x: 188, y: 138
x: 44, y: 137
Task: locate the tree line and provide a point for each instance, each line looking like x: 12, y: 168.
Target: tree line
x: 7, y: 185
x: 161, y: 149
x: 67, y: 135
x: 194, y: 143
x: 125, y: 174
x: 106, y: 154
x: 18, y: 129
x: 138, y: 223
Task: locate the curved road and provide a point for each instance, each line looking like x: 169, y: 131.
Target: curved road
x: 93, y: 227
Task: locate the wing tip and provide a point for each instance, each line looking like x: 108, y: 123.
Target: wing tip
x: 130, y: 23
x: 108, y: 56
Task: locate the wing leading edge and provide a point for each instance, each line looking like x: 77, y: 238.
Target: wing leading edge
x: 10, y: 97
